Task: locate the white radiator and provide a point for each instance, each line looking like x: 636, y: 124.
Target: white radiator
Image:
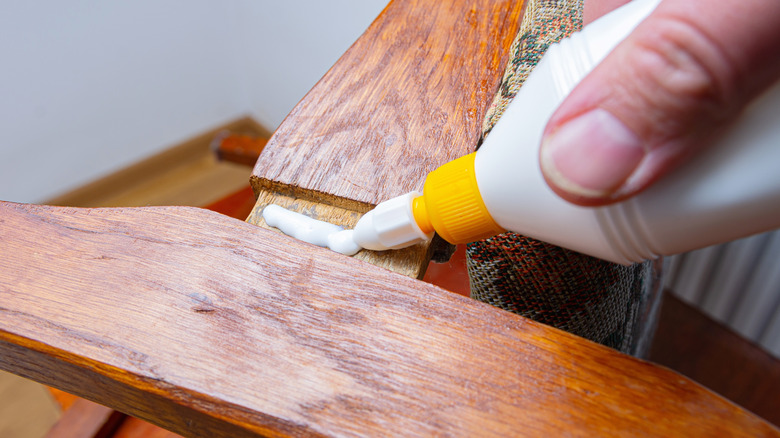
x: 737, y: 283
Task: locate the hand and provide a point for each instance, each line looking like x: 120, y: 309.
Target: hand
x: 660, y: 96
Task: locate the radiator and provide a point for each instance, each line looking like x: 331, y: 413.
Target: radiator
x: 737, y: 283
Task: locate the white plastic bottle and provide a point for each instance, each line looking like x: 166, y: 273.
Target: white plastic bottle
x: 730, y: 191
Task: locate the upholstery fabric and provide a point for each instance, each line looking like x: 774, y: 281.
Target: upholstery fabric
x: 605, y: 302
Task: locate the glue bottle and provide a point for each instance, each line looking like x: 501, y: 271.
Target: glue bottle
x: 730, y: 191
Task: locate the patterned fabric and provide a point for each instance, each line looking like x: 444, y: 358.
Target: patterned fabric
x: 607, y: 303
x: 545, y: 22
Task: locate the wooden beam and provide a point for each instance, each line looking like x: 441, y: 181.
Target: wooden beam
x: 212, y: 327
x: 407, y: 97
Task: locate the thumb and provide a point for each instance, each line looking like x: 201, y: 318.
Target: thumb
x: 660, y: 96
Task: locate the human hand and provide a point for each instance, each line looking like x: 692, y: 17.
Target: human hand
x: 660, y: 96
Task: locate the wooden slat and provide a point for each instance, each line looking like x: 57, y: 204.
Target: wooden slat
x: 212, y: 327
x: 407, y: 97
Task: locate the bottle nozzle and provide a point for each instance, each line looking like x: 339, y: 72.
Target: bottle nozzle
x: 391, y: 225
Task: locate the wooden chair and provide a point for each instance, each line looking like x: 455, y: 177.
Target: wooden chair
x: 210, y: 326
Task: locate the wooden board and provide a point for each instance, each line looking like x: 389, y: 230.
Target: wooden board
x: 407, y: 97
x: 213, y: 327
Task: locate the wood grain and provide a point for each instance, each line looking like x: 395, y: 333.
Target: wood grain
x: 210, y: 326
x: 408, y: 96
x: 703, y: 349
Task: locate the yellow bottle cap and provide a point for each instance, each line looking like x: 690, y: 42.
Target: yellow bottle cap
x: 451, y: 204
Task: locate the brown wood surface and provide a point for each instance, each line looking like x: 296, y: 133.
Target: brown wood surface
x: 212, y: 327
x: 690, y: 342
x: 408, y: 96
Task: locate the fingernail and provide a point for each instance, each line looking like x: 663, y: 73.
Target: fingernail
x: 591, y: 155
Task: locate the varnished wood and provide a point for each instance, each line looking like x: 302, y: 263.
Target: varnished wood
x: 703, y: 349
x: 410, y: 262
x: 408, y: 96
x: 212, y: 327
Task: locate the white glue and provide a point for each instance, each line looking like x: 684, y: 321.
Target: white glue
x: 311, y: 230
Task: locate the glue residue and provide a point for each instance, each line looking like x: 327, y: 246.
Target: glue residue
x: 311, y: 230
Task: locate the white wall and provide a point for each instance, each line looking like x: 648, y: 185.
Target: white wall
x: 308, y: 35
x: 87, y: 87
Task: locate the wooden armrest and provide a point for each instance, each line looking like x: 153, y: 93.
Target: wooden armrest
x: 407, y: 97
x: 209, y: 326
